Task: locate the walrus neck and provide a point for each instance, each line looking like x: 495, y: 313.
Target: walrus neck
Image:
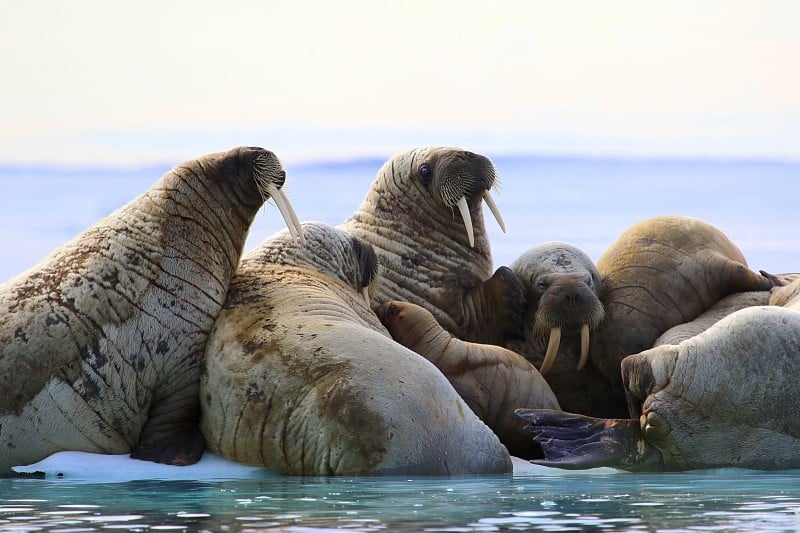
x: 211, y: 215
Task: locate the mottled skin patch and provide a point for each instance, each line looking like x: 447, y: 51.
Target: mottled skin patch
x: 409, y: 217
x: 659, y: 273
x: 302, y: 378
x: 725, y: 398
x: 101, y: 342
x: 492, y: 380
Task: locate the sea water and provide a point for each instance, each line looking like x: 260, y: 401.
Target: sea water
x: 587, y: 202
x: 90, y: 493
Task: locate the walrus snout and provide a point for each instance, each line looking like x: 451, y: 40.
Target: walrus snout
x: 266, y: 171
x: 569, y: 302
x: 257, y: 159
x: 458, y: 178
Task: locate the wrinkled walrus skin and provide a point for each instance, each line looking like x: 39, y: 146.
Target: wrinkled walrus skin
x: 411, y: 217
x: 492, y: 380
x: 725, y: 398
x: 659, y: 273
x: 101, y: 343
x: 303, y: 379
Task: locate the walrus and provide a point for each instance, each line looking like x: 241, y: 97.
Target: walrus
x: 101, y: 343
x: 786, y: 291
x: 563, y: 307
x: 492, y: 380
x: 661, y: 272
x: 563, y: 287
x: 432, y: 255
x: 727, y: 397
x: 302, y: 379
x: 726, y: 306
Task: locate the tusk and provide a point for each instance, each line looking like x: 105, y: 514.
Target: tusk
x: 495, y: 211
x: 288, y: 214
x: 464, y: 208
x: 365, y: 292
x: 584, y: 347
x: 552, y: 350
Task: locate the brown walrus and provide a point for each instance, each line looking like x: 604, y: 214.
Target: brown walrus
x: 303, y: 379
x: 101, y: 342
x: 492, y: 380
x: 563, y: 307
x: 661, y: 272
x: 727, y: 397
x: 415, y: 216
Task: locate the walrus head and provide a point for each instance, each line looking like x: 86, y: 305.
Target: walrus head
x: 261, y: 168
x: 326, y: 249
x: 562, y: 287
x: 457, y: 178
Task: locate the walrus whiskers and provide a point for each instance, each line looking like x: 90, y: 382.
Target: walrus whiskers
x: 267, y: 189
x: 454, y: 193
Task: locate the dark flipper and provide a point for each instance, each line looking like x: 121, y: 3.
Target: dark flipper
x: 494, y: 309
x: 573, y: 442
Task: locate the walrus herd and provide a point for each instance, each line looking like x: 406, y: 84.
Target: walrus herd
x: 388, y: 344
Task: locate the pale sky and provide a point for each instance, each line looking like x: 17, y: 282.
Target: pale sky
x: 126, y: 83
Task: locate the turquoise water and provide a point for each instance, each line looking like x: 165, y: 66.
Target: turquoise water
x: 729, y: 500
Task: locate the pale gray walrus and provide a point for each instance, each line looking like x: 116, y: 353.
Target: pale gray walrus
x: 784, y: 292
x: 563, y: 307
x: 492, y: 380
x: 659, y: 273
x: 101, y: 343
x: 727, y: 397
x: 423, y: 217
x: 726, y: 306
x: 303, y: 379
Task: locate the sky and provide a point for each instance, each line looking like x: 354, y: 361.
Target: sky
x: 131, y: 83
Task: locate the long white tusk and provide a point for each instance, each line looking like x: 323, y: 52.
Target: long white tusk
x: 288, y: 214
x: 365, y: 292
x: 584, y: 347
x: 552, y: 350
x: 495, y: 211
x: 464, y: 208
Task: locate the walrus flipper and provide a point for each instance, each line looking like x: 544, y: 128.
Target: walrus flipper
x: 494, y: 309
x: 170, y: 440
x: 575, y: 442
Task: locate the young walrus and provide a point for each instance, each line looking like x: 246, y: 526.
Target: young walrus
x: 492, y: 380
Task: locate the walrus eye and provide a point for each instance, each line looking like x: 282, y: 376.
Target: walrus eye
x: 425, y: 172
